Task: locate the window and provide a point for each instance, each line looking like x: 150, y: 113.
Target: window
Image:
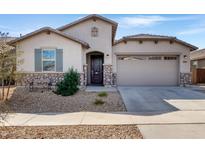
x: 132, y: 58
x: 49, y: 60
x: 94, y: 32
x: 155, y: 58
x: 195, y: 63
x: 170, y: 58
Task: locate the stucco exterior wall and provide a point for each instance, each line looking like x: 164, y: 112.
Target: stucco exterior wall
x: 72, y: 51
x: 101, y: 43
x: 149, y: 47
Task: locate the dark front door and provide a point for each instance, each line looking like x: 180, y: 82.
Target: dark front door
x: 96, y: 69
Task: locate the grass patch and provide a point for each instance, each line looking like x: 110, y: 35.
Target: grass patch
x: 99, y: 102
x: 102, y: 94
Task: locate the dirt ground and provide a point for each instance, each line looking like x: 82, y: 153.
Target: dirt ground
x: 23, y: 101
x: 71, y: 132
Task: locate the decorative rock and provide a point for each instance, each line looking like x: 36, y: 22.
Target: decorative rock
x: 85, y: 74
x: 185, y: 79
x: 114, y: 79
x: 42, y: 79
x: 107, y: 75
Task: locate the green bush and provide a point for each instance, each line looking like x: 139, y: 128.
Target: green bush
x: 102, y: 94
x: 69, y: 85
x: 99, y: 102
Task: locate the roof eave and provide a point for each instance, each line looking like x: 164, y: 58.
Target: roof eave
x: 113, y: 23
x: 13, y: 42
x: 84, y: 19
x: 192, y: 47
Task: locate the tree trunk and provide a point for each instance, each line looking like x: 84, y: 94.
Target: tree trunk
x: 9, y: 85
x: 3, y: 88
x: 1, y: 96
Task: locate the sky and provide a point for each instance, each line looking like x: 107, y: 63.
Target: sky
x: 189, y: 28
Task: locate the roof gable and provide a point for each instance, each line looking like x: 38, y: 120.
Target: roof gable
x: 94, y: 17
x: 48, y: 29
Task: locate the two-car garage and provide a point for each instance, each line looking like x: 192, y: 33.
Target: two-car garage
x: 147, y: 70
x: 151, y: 60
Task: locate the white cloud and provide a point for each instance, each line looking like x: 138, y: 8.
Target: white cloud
x: 4, y: 27
x: 196, y: 30
x: 22, y: 32
x: 140, y: 21
x: 129, y: 22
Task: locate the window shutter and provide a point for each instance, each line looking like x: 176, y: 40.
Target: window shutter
x: 59, y: 60
x: 38, y: 60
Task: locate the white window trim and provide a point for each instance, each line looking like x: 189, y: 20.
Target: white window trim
x: 42, y: 60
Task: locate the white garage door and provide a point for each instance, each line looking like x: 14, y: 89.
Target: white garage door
x: 147, y: 70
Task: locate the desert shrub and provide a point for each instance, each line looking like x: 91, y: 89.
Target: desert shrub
x: 102, y: 94
x: 99, y: 102
x: 69, y: 85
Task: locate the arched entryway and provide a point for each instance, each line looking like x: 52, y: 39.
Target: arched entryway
x: 95, y: 62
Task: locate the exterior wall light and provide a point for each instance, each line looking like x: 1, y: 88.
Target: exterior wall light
x: 155, y: 41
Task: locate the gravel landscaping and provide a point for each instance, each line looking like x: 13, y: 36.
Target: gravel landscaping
x: 71, y: 132
x: 36, y: 102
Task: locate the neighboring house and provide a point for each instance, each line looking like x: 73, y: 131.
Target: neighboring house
x: 198, y: 66
x: 7, y: 38
x: 89, y: 46
x: 198, y: 59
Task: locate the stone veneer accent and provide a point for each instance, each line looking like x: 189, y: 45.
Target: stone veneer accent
x: 82, y: 78
x: 107, y: 75
x: 42, y: 79
x: 114, y: 79
x: 85, y: 70
x: 185, y: 79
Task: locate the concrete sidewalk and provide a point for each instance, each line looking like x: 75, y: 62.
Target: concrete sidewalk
x: 93, y: 118
x: 173, y: 131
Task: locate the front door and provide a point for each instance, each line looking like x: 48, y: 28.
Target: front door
x: 96, y: 69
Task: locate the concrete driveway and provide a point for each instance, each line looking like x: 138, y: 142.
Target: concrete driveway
x: 161, y: 99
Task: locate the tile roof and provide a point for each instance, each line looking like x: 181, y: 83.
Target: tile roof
x: 198, y: 54
x: 153, y: 37
x: 48, y: 29
x: 92, y: 16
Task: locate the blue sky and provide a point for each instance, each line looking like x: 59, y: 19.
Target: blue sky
x: 190, y: 28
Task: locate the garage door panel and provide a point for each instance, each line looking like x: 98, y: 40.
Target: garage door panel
x: 147, y: 72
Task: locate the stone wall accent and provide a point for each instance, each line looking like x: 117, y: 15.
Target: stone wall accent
x: 82, y: 79
x: 41, y: 79
x: 185, y: 79
x: 85, y: 70
x: 114, y: 79
x: 107, y: 75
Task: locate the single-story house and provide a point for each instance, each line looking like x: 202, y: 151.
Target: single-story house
x: 7, y: 39
x: 198, y: 58
x: 198, y: 66
x: 89, y: 45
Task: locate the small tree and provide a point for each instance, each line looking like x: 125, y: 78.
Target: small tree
x: 8, y: 63
x: 69, y: 85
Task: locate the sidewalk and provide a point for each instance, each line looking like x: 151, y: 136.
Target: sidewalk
x: 93, y: 118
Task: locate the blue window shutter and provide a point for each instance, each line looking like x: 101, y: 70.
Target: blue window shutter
x: 38, y: 60
x: 59, y: 60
